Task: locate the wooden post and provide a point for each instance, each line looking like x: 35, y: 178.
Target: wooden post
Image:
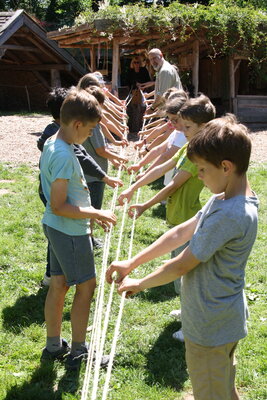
x: 231, y: 81
x: 115, y: 64
x: 195, y: 67
x: 92, y: 58
x: 55, y: 78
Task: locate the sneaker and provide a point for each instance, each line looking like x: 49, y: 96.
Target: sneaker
x: 73, y: 363
x: 178, y: 335
x: 56, y: 355
x: 97, y: 243
x: 175, y: 314
x: 46, y: 280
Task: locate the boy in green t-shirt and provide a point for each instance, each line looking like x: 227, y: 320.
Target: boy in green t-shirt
x: 182, y: 193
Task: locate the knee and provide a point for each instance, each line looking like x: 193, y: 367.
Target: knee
x: 58, y: 284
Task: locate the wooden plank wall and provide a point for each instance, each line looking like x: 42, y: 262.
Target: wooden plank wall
x: 251, y: 109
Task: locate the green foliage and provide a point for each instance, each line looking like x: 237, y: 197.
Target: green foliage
x: 228, y: 25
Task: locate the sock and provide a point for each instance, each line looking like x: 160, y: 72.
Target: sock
x: 53, y: 343
x: 78, y: 348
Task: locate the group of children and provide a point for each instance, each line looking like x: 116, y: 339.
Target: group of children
x: 209, y: 246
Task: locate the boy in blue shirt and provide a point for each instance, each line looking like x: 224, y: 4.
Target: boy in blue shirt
x: 66, y: 223
x: 212, y: 266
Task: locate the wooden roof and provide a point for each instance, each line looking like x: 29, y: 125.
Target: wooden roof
x: 86, y: 36
x: 24, y: 46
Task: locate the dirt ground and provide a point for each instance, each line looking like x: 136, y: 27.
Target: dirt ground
x: 18, y: 135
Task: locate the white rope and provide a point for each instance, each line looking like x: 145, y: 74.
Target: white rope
x: 118, y: 322
x: 95, y: 347
x: 96, y: 344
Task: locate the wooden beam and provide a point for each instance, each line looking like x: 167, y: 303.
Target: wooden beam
x: 231, y: 81
x: 19, y: 48
x: 115, y: 63
x: 55, y: 78
x: 35, y: 67
x: 92, y: 58
x: 42, y: 48
x: 195, y: 67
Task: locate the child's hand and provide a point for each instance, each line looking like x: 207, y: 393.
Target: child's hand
x: 122, y: 268
x: 113, y: 182
x: 133, y: 168
x: 139, y: 176
x: 107, y: 216
x: 136, y: 210
x: 122, y: 159
x: 126, y: 194
x: 130, y: 286
x: 139, y: 144
x: 106, y: 226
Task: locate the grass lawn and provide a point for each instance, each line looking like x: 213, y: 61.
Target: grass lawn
x: 149, y: 364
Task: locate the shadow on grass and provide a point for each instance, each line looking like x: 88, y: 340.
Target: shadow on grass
x: 158, y: 184
x: 159, y: 211
x: 159, y: 293
x: 166, y: 360
x: 43, y: 386
x: 26, y: 311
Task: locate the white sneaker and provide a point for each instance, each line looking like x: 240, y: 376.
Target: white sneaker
x: 175, y: 314
x: 178, y: 335
x: 46, y: 280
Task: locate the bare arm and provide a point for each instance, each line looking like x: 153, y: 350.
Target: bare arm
x: 169, y: 153
x: 145, y: 180
x: 171, y: 270
x: 111, y: 138
x: 169, y: 241
x: 180, y: 178
x: 104, y: 152
x: 150, y: 156
x: 59, y: 205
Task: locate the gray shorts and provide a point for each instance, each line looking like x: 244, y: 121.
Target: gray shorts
x: 71, y: 256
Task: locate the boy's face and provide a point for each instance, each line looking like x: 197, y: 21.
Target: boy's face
x: 83, y: 131
x: 214, y: 178
x: 190, y: 128
x: 175, y: 121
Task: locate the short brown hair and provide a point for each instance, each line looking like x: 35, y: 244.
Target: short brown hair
x: 80, y: 105
x: 222, y: 139
x: 98, y: 93
x: 199, y: 110
x: 176, y: 100
x: 88, y: 80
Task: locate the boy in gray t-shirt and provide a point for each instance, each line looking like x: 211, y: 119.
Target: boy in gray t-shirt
x: 212, y: 267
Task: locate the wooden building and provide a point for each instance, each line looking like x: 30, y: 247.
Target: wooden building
x: 30, y: 63
x: 224, y: 79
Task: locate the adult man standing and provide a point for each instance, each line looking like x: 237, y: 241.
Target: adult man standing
x: 167, y: 76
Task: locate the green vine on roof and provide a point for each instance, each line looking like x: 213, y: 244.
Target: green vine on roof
x: 226, y: 25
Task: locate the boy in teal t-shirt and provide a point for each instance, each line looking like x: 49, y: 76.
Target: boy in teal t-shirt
x: 66, y: 224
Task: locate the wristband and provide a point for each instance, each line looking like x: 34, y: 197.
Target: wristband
x: 144, y: 141
x: 146, y: 149
x: 152, y: 108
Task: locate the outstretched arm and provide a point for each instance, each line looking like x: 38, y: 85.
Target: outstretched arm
x: 145, y: 180
x: 172, y: 239
x: 180, y: 178
x: 171, y: 270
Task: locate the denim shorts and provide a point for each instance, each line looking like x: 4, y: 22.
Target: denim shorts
x: 71, y: 256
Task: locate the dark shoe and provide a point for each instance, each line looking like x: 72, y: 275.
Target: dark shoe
x: 97, y: 243
x: 56, y: 355
x: 73, y: 363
